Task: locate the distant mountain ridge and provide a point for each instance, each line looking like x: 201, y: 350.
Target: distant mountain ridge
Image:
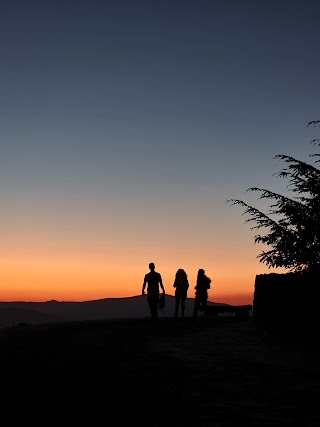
x: 14, y: 313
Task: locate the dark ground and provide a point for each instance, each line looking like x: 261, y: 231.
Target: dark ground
x: 212, y: 372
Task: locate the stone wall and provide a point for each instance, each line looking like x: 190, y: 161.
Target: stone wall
x: 286, y: 300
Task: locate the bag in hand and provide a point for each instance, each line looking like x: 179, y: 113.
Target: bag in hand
x: 162, y: 300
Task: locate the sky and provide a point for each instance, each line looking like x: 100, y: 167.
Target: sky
x: 125, y: 126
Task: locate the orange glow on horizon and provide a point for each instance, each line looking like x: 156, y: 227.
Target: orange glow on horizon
x: 35, y: 279
x: 43, y: 269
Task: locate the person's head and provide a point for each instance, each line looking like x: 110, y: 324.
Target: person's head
x: 151, y: 266
x: 201, y: 272
x: 181, y: 273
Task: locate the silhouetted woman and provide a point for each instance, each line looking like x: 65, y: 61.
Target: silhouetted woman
x: 181, y: 284
x: 201, y: 295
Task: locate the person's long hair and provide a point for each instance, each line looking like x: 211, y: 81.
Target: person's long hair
x: 181, y: 274
x: 181, y: 280
x: 201, y: 272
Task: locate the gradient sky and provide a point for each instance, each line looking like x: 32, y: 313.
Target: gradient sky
x: 125, y: 126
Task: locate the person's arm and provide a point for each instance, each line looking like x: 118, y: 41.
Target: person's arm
x: 144, y: 285
x: 160, y: 283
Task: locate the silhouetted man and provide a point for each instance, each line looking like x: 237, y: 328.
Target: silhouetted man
x: 153, y: 279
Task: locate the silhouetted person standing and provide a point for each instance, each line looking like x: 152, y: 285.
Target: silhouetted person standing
x: 154, y: 280
x: 201, y: 295
x: 181, y: 284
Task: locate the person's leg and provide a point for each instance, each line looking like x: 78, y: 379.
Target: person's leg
x: 196, y: 306
x: 155, y: 305
x: 154, y: 310
x: 183, y: 305
x: 149, y: 303
x: 153, y: 300
x: 204, y: 302
x: 177, y: 296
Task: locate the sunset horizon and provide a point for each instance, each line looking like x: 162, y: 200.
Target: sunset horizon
x: 127, y: 126
x: 78, y: 281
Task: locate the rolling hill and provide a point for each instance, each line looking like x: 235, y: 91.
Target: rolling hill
x: 13, y: 313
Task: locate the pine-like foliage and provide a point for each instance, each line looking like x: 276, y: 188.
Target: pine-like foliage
x: 292, y: 225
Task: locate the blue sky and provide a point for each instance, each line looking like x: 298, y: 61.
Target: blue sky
x: 140, y: 119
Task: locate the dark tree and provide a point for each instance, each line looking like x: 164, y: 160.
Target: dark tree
x: 292, y: 225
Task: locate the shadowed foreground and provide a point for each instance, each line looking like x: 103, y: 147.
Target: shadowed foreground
x: 212, y: 372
